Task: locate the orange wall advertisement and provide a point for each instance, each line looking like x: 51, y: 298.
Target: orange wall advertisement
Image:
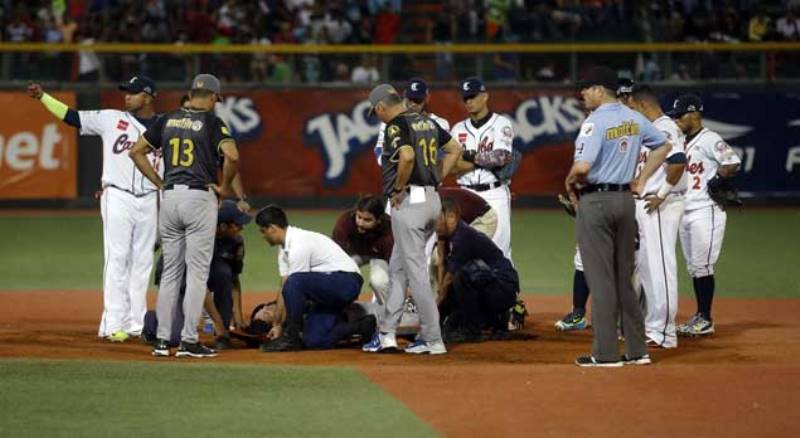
x: 315, y: 143
x: 38, y: 153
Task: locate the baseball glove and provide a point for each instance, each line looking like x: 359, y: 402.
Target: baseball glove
x: 568, y: 207
x: 723, y: 192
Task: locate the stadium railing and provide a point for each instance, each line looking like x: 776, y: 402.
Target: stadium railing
x: 331, y: 65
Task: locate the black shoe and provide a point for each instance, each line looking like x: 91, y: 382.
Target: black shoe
x: 462, y: 336
x: 641, y: 360
x: 195, y: 350
x: 148, y: 339
x: 501, y: 335
x: 223, y: 343
x: 590, y: 361
x: 283, y: 343
x: 160, y: 348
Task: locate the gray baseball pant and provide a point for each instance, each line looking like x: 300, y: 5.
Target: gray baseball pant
x: 187, y: 224
x: 412, y: 226
x: 606, y: 230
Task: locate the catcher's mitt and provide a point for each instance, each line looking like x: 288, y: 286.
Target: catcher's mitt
x: 568, y: 207
x: 723, y: 192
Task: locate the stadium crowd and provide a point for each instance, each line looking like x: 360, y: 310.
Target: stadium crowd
x: 225, y: 22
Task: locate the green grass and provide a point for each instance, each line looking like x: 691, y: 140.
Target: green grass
x: 59, y: 398
x: 758, y: 259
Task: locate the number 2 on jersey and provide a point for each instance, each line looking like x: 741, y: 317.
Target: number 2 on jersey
x: 428, y: 150
x: 183, y: 157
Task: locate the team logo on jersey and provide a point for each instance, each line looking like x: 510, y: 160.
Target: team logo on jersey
x: 623, y: 144
x: 393, y: 130
x: 721, y: 146
x: 586, y: 129
x: 197, y: 125
x: 462, y: 138
x: 122, y: 125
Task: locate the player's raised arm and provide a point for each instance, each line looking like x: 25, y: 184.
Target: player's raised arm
x: 55, y: 106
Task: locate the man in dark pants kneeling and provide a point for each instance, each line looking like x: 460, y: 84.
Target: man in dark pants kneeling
x: 480, y: 285
x: 313, y: 269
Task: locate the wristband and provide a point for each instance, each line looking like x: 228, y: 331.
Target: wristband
x: 55, y: 106
x: 664, y: 190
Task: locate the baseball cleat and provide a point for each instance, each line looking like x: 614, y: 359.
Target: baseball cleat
x: 196, y: 349
x: 641, y: 360
x: 590, y: 361
x: 160, y: 348
x: 118, y: 336
x: 422, y: 347
x: 572, y: 321
x: 380, y: 341
x: 284, y: 343
x: 697, y: 325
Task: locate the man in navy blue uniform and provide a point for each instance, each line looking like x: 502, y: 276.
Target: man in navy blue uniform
x: 480, y: 284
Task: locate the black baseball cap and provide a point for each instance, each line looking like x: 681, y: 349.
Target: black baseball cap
x: 139, y: 84
x: 417, y: 89
x: 229, y: 213
x: 471, y: 87
x: 687, y: 103
x: 600, y: 75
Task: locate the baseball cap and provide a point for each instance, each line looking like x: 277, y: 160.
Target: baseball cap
x: 229, y: 212
x: 471, y: 87
x: 379, y: 93
x: 599, y: 75
x: 687, y: 103
x: 417, y: 89
x: 625, y: 84
x: 205, y: 81
x: 138, y: 84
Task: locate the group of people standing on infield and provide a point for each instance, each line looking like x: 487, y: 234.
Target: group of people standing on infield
x: 439, y: 258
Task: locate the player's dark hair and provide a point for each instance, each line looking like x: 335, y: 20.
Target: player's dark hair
x: 449, y: 205
x: 372, y: 204
x: 272, y: 215
x: 644, y: 92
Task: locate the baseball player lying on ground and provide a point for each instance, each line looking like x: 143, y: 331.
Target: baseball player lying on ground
x: 322, y: 329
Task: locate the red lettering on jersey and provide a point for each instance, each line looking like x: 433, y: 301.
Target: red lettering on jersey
x: 485, y: 145
x: 462, y: 138
x: 696, y: 167
x: 122, y: 125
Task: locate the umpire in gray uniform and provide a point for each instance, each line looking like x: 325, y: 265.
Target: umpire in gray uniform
x: 409, y: 163
x: 193, y: 141
x: 600, y: 186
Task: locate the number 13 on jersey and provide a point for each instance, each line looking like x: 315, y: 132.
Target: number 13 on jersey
x: 182, y: 151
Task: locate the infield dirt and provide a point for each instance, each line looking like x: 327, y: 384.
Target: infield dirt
x: 743, y: 381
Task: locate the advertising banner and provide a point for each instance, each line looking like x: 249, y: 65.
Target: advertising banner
x: 37, y: 152
x: 317, y: 143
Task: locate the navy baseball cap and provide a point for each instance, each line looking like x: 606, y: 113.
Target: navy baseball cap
x: 139, y: 84
x: 472, y: 87
x: 229, y: 213
x: 687, y: 103
x: 600, y: 75
x: 417, y: 89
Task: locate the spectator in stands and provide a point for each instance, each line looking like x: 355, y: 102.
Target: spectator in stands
x: 758, y: 28
x: 387, y: 24
x: 366, y: 73
x: 496, y: 17
x: 788, y: 26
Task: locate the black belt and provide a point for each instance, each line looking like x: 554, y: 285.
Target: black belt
x: 190, y: 187
x: 483, y: 187
x: 138, y: 195
x: 606, y: 188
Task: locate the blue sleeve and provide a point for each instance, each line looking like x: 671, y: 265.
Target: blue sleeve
x: 652, y: 137
x: 588, y: 142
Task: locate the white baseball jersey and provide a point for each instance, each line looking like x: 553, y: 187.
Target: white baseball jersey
x: 120, y: 130
x: 678, y: 140
x: 497, y: 133
x: 706, y: 152
x: 441, y: 121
